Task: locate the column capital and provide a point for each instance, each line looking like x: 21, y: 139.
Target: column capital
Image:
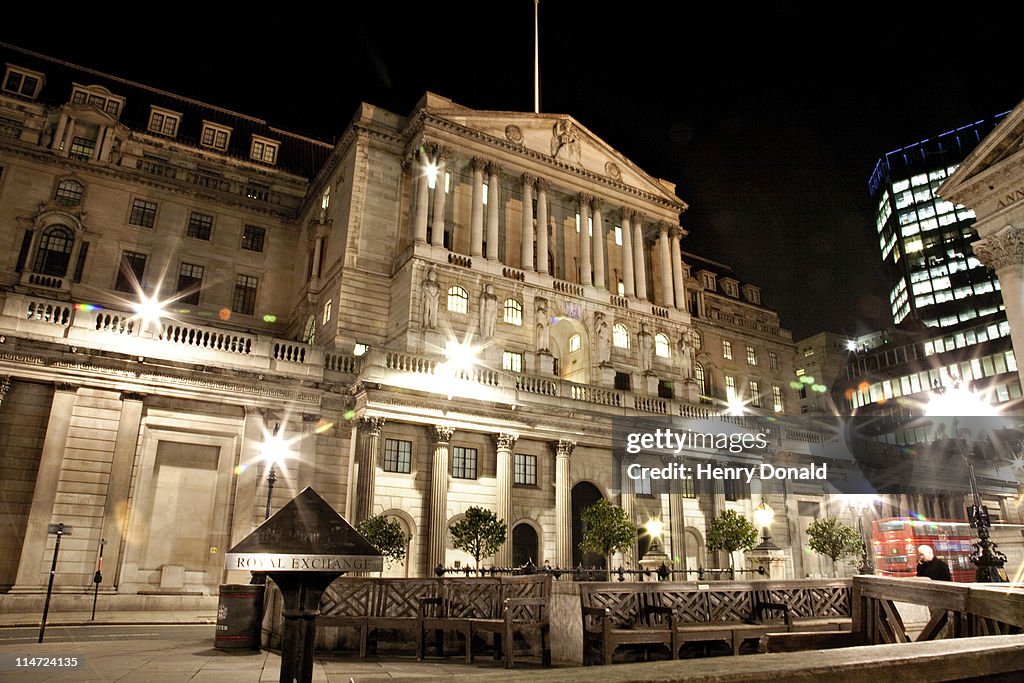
x: 371, y: 426
x: 584, y: 199
x: 638, y: 217
x: 1003, y: 249
x: 528, y: 180
x: 597, y: 203
x: 478, y: 163
x: 493, y: 168
x: 675, y: 231
x: 442, y: 433
x: 664, y: 227
x: 563, y: 448
x: 505, y: 441
x: 439, y: 152
x: 407, y: 164
x: 542, y: 185
x: 628, y: 214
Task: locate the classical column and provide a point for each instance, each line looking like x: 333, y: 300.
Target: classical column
x: 493, y: 206
x: 116, y: 502
x: 1003, y: 252
x: 665, y: 258
x: 366, y: 465
x: 438, y: 532
x: 437, y: 226
x: 69, y: 137
x: 314, y: 272
x: 628, y: 498
x: 503, y: 508
x: 599, y: 279
x: 563, y: 503
x: 639, y: 254
x: 677, y: 528
x: 527, y: 236
x: 586, y: 274
x: 476, y: 221
x: 628, y: 284
x: 40, y: 514
x: 421, y: 200
x: 677, y: 268
x: 542, y: 225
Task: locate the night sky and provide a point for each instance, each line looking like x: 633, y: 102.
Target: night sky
x: 769, y: 121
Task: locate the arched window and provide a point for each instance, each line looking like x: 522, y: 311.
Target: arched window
x: 69, y: 193
x: 513, y: 312
x: 458, y: 299
x: 661, y: 347
x: 54, y: 252
x: 698, y: 374
x: 697, y: 340
x: 574, y: 343
x: 620, y: 336
x: 309, y: 335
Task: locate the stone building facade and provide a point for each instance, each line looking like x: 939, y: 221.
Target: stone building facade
x: 187, y: 286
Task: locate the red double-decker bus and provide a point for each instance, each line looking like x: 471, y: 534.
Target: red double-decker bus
x: 895, y: 543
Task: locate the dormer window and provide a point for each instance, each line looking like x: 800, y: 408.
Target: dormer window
x: 22, y: 82
x: 730, y: 287
x: 263, y: 150
x: 164, y: 122
x: 98, y: 97
x: 214, y: 136
x: 709, y: 281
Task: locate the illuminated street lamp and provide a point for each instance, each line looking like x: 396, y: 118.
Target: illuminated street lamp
x: 149, y: 310
x: 274, y: 451
x: 951, y: 402
x: 763, y: 516
x: 655, y: 559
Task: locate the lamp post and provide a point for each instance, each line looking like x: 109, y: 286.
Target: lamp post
x: 655, y: 559
x: 763, y: 516
x: 272, y: 451
x: 866, y: 567
x: 950, y: 402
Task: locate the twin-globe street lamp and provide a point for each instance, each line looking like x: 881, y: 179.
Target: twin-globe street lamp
x: 950, y: 402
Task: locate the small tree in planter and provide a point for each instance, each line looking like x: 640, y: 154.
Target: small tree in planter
x: 480, y: 533
x: 386, y: 535
x: 606, y: 530
x: 833, y: 539
x: 730, y: 532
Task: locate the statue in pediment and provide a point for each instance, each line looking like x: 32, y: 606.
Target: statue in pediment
x: 565, y: 142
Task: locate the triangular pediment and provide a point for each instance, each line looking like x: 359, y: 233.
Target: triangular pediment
x: 559, y: 137
x: 1005, y: 142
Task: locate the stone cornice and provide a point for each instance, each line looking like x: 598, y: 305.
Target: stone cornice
x: 986, y: 183
x: 518, y: 150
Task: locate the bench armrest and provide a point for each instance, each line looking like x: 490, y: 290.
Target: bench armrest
x: 506, y: 611
x: 763, y: 607
x: 648, y: 610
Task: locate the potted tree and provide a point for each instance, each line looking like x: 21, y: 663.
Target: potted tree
x: 730, y: 532
x: 480, y: 533
x: 607, y: 529
x: 386, y: 535
x: 833, y: 539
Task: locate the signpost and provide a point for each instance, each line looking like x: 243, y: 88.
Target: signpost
x: 59, y: 530
x: 303, y: 548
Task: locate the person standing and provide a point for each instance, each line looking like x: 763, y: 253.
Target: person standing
x: 930, y: 566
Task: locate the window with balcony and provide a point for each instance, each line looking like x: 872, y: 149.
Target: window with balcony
x: 69, y: 193
x: 513, y: 312
x: 620, y: 336
x: 190, y: 282
x: 244, y: 299
x: 662, y: 348
x: 512, y: 361
x: 164, y: 122
x: 458, y: 299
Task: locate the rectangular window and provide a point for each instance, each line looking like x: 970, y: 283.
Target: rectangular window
x: 686, y: 488
x: 129, y: 275
x: 143, y: 213
x: 244, y: 300
x: 726, y: 349
x: 82, y: 149
x: 751, y: 356
x: 665, y: 389
x: 263, y: 150
x: 622, y: 381
x: 200, y: 226
x: 164, y: 122
x: 618, y: 235
x: 735, y: 489
x: 755, y: 394
x: 397, y: 456
x: 190, y: 280
x: 777, y: 399
x: 328, y: 311
x: 730, y: 388
x: 773, y: 360
x: 215, y: 137
x: 253, y: 237
x: 512, y: 361
x: 525, y: 469
x: 463, y: 463
x: 642, y: 486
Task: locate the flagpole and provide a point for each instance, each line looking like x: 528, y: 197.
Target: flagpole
x: 536, y: 57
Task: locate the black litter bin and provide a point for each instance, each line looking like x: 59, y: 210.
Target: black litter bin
x: 239, y: 613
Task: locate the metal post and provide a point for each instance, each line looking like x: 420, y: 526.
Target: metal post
x: 271, y: 480
x: 59, y: 531
x: 97, y: 579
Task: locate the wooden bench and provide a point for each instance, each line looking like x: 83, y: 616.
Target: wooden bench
x: 502, y: 606
x: 730, y: 612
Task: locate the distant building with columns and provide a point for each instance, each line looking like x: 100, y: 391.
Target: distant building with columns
x: 317, y: 293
